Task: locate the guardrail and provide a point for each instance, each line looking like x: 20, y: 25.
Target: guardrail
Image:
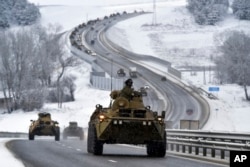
x: 201, y: 142
x: 12, y: 134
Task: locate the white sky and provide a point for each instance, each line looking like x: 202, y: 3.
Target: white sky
x: 173, y: 40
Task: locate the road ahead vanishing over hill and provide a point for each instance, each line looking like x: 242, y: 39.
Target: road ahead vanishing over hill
x: 177, y: 97
x: 176, y: 100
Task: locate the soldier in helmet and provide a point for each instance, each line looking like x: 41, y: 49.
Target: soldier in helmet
x: 127, y: 91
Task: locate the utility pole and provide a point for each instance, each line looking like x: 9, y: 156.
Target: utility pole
x: 154, y: 13
x: 111, y: 74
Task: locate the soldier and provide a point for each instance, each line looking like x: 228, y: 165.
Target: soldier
x: 127, y: 91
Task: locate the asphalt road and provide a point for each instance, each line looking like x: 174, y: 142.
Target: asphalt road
x: 45, y: 152
x: 178, y: 99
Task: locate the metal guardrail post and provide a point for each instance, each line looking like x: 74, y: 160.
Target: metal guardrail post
x: 171, y: 147
x: 183, y: 148
x: 213, y: 152
x: 196, y: 150
x: 190, y: 149
x: 177, y: 147
x: 204, y: 152
x: 222, y: 153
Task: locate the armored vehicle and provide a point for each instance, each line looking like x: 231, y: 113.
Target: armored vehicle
x: 143, y: 91
x: 44, y: 126
x: 73, y: 130
x: 121, y: 73
x: 127, y: 121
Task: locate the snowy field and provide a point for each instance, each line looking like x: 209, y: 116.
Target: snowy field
x: 177, y: 39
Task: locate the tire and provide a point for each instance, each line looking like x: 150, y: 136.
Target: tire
x: 157, y: 148
x: 97, y: 145
x: 57, y: 134
x: 89, y: 140
x: 94, y: 145
x: 31, y: 136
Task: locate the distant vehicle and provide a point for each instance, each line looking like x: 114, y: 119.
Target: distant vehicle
x: 44, y: 126
x: 121, y: 73
x: 146, y: 87
x: 127, y: 122
x: 92, y: 42
x: 163, y: 78
x: 143, y: 91
x: 73, y: 130
x: 87, y: 51
x: 90, y: 52
x: 133, y: 72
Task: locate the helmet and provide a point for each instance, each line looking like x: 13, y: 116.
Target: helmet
x: 129, y: 82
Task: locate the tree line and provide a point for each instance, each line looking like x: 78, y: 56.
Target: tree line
x: 208, y: 12
x: 17, y: 12
x: 234, y: 60
x: 32, y: 68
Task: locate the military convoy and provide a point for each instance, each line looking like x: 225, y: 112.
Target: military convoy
x: 127, y: 122
x: 73, y: 130
x: 44, y: 126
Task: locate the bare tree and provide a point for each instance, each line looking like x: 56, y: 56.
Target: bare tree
x: 234, y: 63
x: 28, y: 60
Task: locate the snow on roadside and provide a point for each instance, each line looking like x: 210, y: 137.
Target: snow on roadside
x: 7, y: 158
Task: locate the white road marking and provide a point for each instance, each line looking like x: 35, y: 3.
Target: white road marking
x: 112, y: 161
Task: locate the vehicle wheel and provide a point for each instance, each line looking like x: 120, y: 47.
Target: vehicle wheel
x: 157, y: 148
x: 31, y: 136
x: 57, y: 134
x: 89, y: 140
x: 96, y: 144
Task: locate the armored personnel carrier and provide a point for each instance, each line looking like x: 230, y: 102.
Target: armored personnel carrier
x: 73, y: 130
x: 44, y: 126
x: 127, y: 122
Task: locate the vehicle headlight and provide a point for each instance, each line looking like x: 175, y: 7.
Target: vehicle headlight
x: 101, y: 118
x: 121, y: 103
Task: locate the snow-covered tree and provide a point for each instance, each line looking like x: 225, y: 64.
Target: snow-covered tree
x: 26, y: 67
x: 234, y: 62
x: 241, y: 8
x: 17, y: 12
x: 208, y: 11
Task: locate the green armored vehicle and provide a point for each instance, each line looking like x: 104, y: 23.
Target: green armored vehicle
x: 127, y: 121
x: 73, y: 130
x: 44, y: 126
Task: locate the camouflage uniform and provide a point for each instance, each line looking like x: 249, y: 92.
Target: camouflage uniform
x: 127, y: 90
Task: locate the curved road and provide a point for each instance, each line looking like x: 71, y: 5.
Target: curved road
x: 45, y: 152
x: 178, y: 99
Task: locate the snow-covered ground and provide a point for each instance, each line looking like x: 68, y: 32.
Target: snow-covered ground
x: 177, y: 39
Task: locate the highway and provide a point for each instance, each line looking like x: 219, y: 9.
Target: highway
x: 170, y: 96
x: 165, y: 95
x: 45, y: 152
